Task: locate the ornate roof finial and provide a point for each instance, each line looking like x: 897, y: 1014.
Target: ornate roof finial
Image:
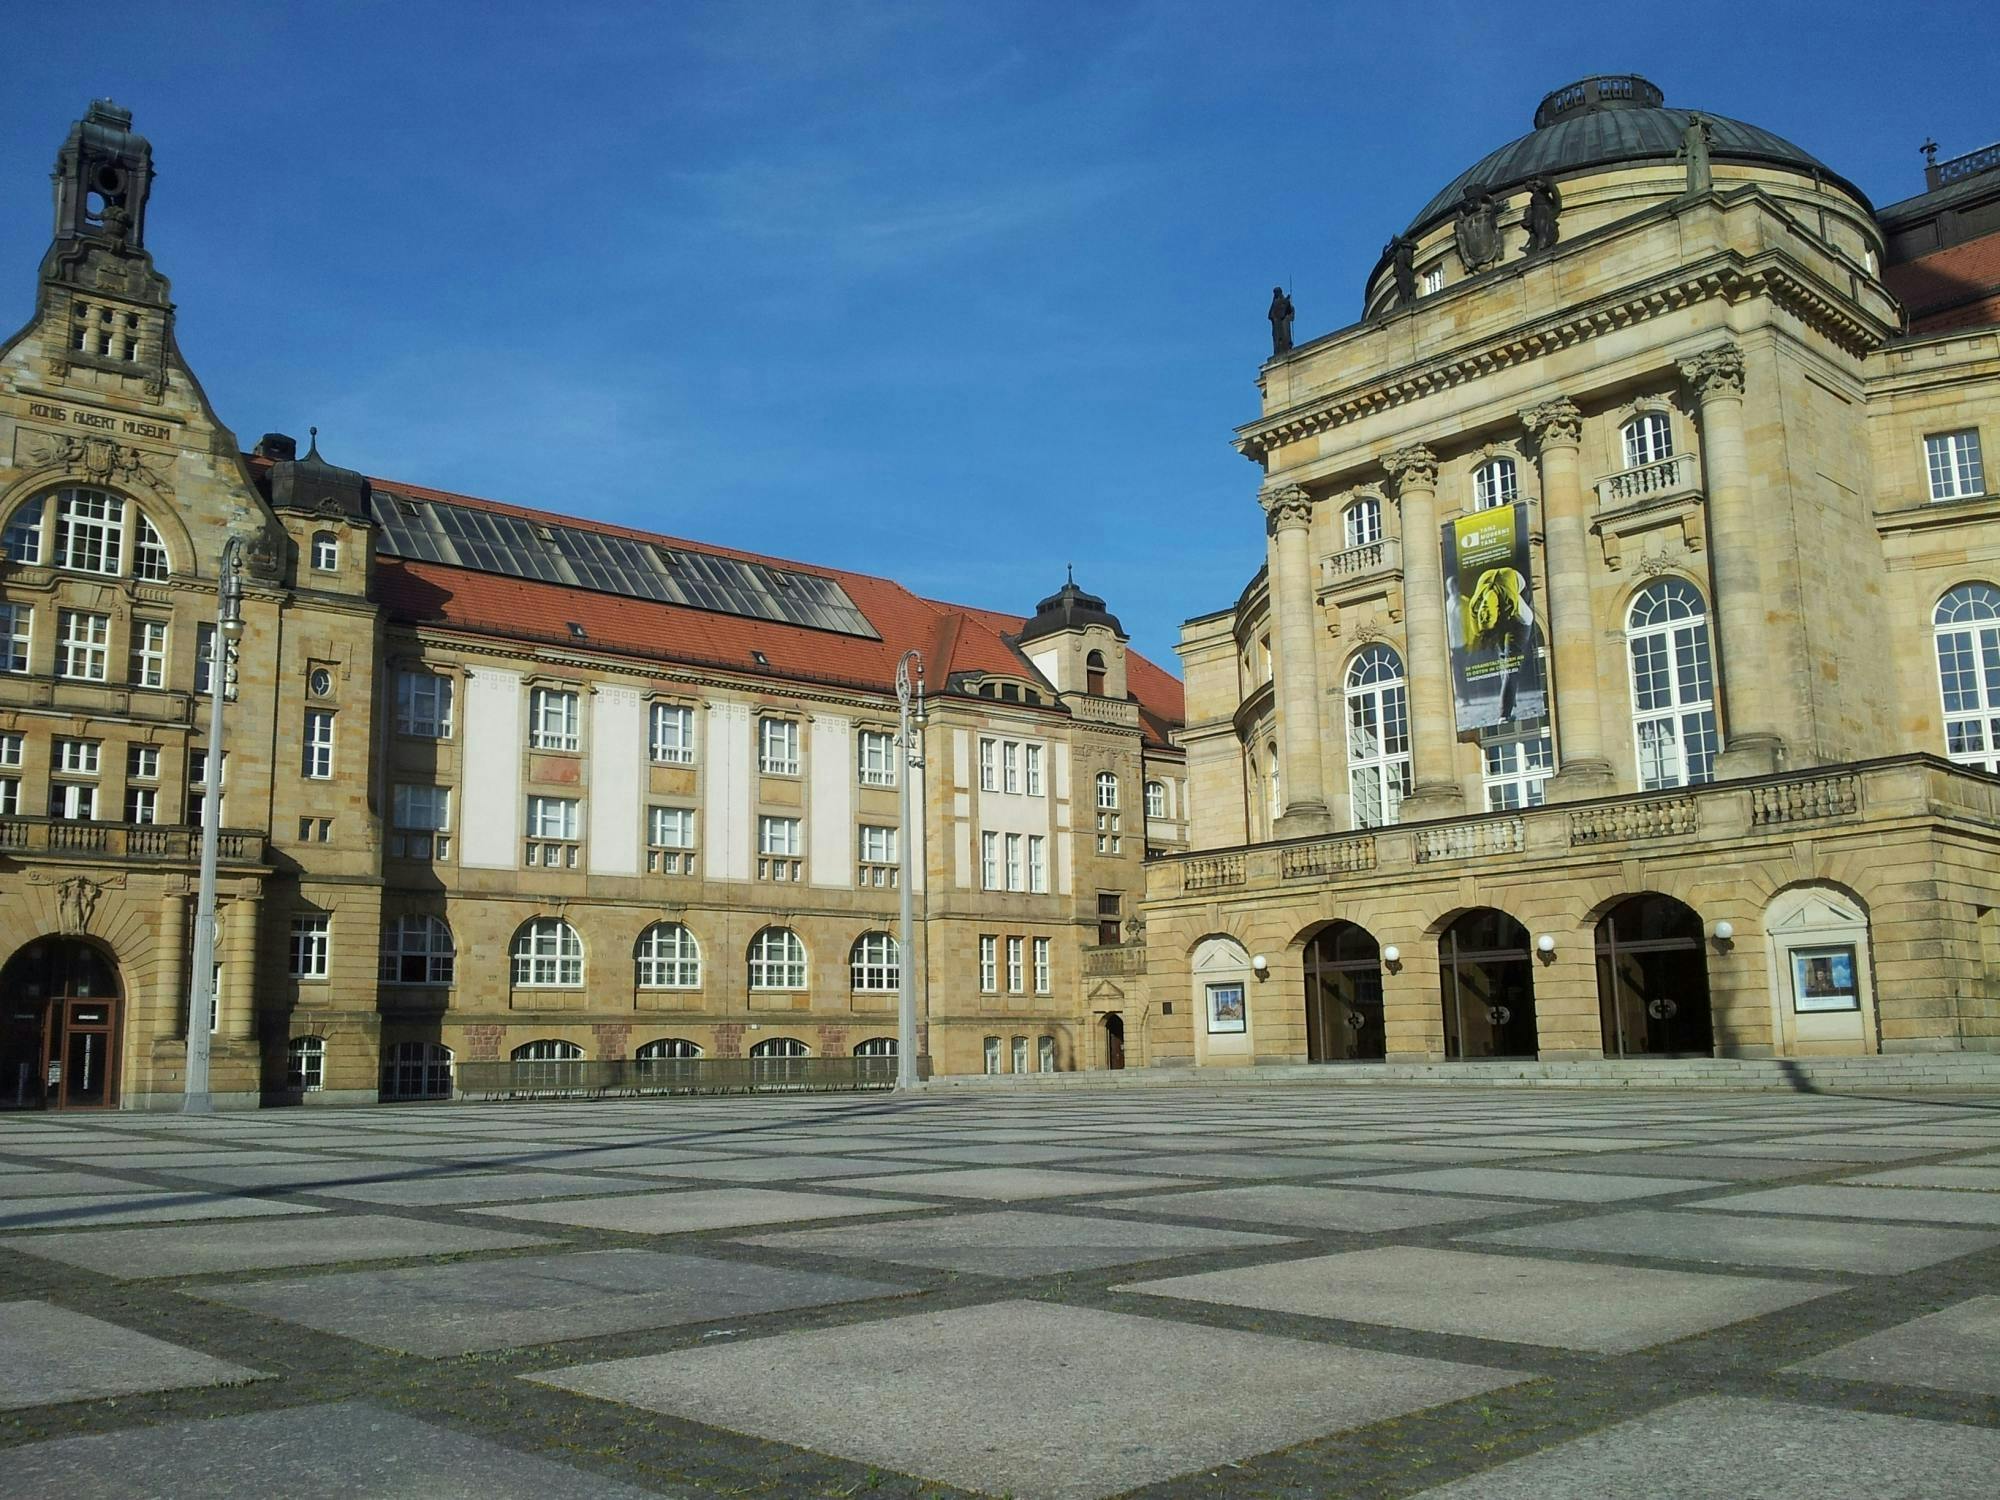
x: 1070, y: 568
x: 313, y: 450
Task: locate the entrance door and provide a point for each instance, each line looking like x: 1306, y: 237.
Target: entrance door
x: 1344, y: 996
x: 58, y: 1028
x: 1652, y: 980
x: 1488, y: 982
x: 1114, y: 1041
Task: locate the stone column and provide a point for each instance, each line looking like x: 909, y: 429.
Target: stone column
x: 1433, y: 729
x: 1752, y: 745
x: 1288, y: 516
x: 240, y: 945
x: 1585, y: 771
x: 170, y: 972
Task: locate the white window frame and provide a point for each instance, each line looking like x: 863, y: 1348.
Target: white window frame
x: 989, y: 765
x: 1953, y: 463
x: 989, y: 964
x: 778, y: 747
x: 83, y: 645
x: 875, y: 757
x: 1648, y: 438
x: 1516, y: 763
x: 1016, y: 965
x: 1010, y: 767
x: 1433, y: 280
x: 1674, y: 735
x: 420, y: 940
x: 670, y: 734
x: 318, y: 745
x: 73, y: 801
x: 22, y: 540
x: 150, y: 561
x: 1016, y: 876
x: 1376, y: 698
x: 1045, y: 1054
x: 992, y: 1050
x: 1031, y: 766
x: 1044, y: 975
x: 423, y: 704
x: 989, y: 862
x: 1156, y: 799
x: 11, y: 746
x: 547, y: 954
x: 553, y: 819
x: 1362, y: 524
x: 149, y: 653
x: 782, y: 836
x: 555, y: 719
x: 778, y: 961
x: 325, y: 552
x: 1107, y: 791
x: 876, y: 964
x: 142, y: 804
x: 17, y: 639
x: 1966, y: 628
x: 311, y: 946
x: 667, y: 957
x: 72, y: 757
x: 90, y: 532
x: 420, y: 821
x: 877, y: 843
x: 1038, y: 864
x: 1496, y: 482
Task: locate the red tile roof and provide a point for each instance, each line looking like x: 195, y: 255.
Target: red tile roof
x: 1956, y: 287
x: 953, y: 638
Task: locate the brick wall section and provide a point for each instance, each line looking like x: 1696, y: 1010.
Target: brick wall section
x: 482, y: 1043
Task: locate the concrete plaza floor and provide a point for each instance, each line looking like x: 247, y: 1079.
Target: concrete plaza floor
x: 1227, y: 1291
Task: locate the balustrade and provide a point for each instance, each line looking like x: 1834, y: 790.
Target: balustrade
x: 1327, y: 857
x: 1617, y: 822
x: 1799, y: 801
x: 1667, y: 476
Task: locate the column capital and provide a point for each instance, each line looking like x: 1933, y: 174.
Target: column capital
x: 1715, y: 372
x: 1286, y: 508
x: 1555, y: 423
x: 1414, y: 467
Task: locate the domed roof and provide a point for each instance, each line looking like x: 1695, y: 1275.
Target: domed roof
x: 1615, y: 118
x: 1069, y: 608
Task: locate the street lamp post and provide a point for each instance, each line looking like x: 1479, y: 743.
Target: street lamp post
x: 909, y: 743
x: 195, y: 1096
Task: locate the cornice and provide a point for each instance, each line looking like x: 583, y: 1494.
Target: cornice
x: 1727, y: 278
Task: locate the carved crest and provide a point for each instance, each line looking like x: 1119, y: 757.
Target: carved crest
x: 76, y: 900
x: 1478, y: 229
x: 101, y: 459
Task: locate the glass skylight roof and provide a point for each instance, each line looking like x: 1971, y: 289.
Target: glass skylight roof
x: 435, y: 531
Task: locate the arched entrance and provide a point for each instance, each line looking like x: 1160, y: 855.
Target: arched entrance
x: 1114, y: 1040
x: 58, y: 1027
x: 1487, y: 978
x: 1652, y: 980
x: 1344, y: 996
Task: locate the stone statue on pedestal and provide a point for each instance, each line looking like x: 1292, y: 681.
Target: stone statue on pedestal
x: 1539, y: 218
x: 1281, y: 321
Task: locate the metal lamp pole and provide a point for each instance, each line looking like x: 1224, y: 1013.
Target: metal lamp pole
x: 195, y: 1096
x: 909, y: 743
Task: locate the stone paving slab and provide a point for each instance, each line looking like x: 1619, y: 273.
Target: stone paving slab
x: 149, y: 1206
x: 417, y: 1188
x: 1954, y: 1350
x: 1833, y: 1200
x: 767, y: 1169
x: 28, y: 1183
x: 1013, y: 1244
x: 174, y: 1161
x: 1956, y: 1175
x: 1815, y: 1151
x: 1666, y: 1164
x: 1730, y: 1448
x: 469, y: 1306
x: 1030, y: 1400
x: 1563, y: 1304
x: 1752, y: 1240
x: 50, y: 1354
x: 1008, y: 1184
x: 1308, y: 1207
x: 695, y: 1209
x: 1517, y: 1182
x: 202, y: 1249
x: 328, y: 1452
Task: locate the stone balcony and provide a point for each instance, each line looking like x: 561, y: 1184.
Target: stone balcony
x: 1649, y: 510
x: 110, y: 700
x: 1124, y: 713
x: 1123, y: 959
x: 1363, y: 570
x: 39, y: 839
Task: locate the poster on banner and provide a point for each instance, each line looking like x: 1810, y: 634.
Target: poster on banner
x: 1489, y: 608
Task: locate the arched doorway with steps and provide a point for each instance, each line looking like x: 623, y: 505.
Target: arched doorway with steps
x: 1487, y: 982
x: 1344, y: 1019
x: 1652, y: 980
x: 59, y: 1022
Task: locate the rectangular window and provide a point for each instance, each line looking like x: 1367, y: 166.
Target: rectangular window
x: 1045, y: 1053
x: 75, y: 801
x: 989, y: 964
x: 16, y: 628
x: 1043, y: 976
x: 325, y: 551
x: 319, y: 745
x: 670, y: 740
x: 778, y: 747
x: 1016, y: 948
x: 876, y: 755
x: 10, y: 749
x: 878, y: 844
x: 1032, y: 756
x: 780, y: 836
x: 552, y: 818
x: 1038, y: 864
x: 142, y: 804
x: 78, y: 757
x: 671, y: 828
x: 149, y: 653
x: 993, y: 1055
x: 1433, y: 280
x: 553, y: 718
x: 989, y: 861
x: 1955, y: 469
x: 1020, y: 1054
x: 142, y: 763
x: 989, y: 771
x: 10, y: 795
x: 1518, y: 765
x: 83, y: 645
x: 309, y: 946
x: 1014, y: 862
x: 204, y: 657
x: 197, y: 777
x: 1010, y: 766
x: 422, y: 818
x: 423, y: 705
x: 90, y: 531
x: 1110, y: 918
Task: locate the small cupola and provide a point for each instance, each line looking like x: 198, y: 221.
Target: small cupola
x: 312, y: 484
x: 1076, y: 643
x: 103, y: 176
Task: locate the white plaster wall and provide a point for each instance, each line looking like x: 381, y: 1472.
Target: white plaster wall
x: 725, y: 803
x: 489, y: 801
x: 617, y: 743
x: 830, y: 836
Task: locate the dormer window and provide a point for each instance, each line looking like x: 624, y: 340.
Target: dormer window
x: 325, y: 552
x: 1495, y: 482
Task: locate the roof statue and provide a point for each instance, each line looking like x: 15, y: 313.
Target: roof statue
x: 1401, y: 253
x: 1281, y: 321
x: 1539, y: 217
x: 1695, y: 140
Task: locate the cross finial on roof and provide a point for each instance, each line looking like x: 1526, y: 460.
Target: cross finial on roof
x: 1070, y: 568
x: 1930, y: 150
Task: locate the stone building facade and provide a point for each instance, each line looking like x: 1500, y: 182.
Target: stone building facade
x: 1742, y: 417
x: 498, y: 783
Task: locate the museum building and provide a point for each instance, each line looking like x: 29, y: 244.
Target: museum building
x: 1623, y: 680
x: 497, y: 784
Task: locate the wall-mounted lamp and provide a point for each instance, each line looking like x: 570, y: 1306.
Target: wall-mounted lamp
x: 1546, y: 944
x: 1723, y: 932
x: 1261, y: 964
x: 1392, y: 955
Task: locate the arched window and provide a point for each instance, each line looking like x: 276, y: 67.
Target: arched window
x: 1968, y: 655
x: 1274, y: 790
x: 548, y: 955
x: 1093, y: 673
x: 780, y: 1046
x: 547, y: 1050
x: 665, y: 1047
x: 1495, y: 482
x: 777, y: 960
x: 667, y: 1063
x: 149, y: 553
x: 876, y: 1046
x: 1156, y: 799
x: 92, y: 531
x: 325, y: 551
x: 1673, y: 688
x: 1649, y: 437
x: 1107, y: 791
x: 305, y: 1063
x: 877, y: 963
x: 1378, y: 736
x: 417, y: 1070
x: 1364, y: 521
x: 547, y: 1064
x: 668, y: 958
x: 416, y: 950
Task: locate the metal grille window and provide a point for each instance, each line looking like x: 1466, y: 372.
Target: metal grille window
x: 83, y: 645
x: 667, y: 1047
x: 875, y: 752
x: 1952, y: 458
x: 90, y: 531
x: 1020, y: 1047
x: 1364, y: 528
x: 1378, y: 737
x: 1043, y: 976
x: 305, y: 1063
x: 309, y: 944
x: 149, y: 653
x: 668, y: 958
x: 1673, y: 690
x: 547, y: 1064
x: 876, y: 1046
x: 149, y: 553
x: 1649, y: 438
x: 417, y: 1070
x: 325, y: 551
x: 553, y: 718
x: 876, y: 963
x: 548, y: 954
x: 777, y: 960
x: 778, y: 747
x: 1495, y: 482
x: 417, y: 950
x: 989, y: 964
x: 423, y: 705
x: 670, y: 738
x: 319, y: 745
x: 1518, y: 763
x: 1967, y: 622
x: 422, y: 820
x: 17, y: 623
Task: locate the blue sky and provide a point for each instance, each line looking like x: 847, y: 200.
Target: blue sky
x: 954, y: 292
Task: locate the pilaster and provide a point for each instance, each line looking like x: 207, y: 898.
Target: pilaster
x: 1288, y: 517
x: 1433, y: 735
